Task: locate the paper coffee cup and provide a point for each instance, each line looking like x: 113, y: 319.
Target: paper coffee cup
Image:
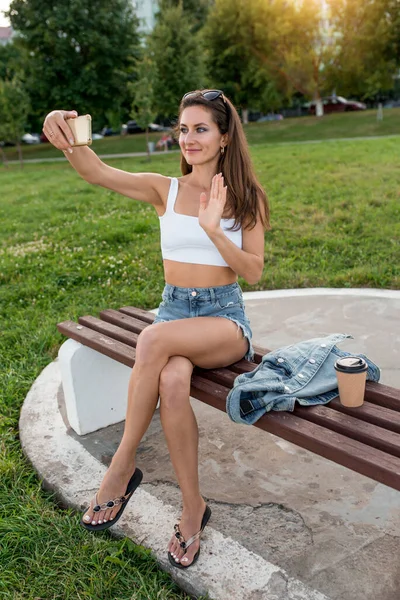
x: 351, y: 373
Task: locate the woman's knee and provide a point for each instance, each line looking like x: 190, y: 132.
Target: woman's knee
x: 174, y: 385
x: 146, y: 346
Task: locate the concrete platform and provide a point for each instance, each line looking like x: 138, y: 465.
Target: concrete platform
x: 286, y: 524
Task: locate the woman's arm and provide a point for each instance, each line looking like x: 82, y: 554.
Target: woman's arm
x: 146, y: 187
x: 248, y: 261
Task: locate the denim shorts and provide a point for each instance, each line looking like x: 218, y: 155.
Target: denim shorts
x: 221, y: 301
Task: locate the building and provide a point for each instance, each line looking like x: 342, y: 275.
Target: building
x: 6, y: 34
x: 146, y: 12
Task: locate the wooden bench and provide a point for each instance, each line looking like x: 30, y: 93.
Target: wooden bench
x: 364, y: 439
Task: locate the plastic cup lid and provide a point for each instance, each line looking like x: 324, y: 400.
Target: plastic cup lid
x: 351, y: 364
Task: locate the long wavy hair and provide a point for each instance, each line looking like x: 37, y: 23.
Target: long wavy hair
x: 244, y: 194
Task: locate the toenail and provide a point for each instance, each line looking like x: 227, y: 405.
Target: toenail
x: 105, y: 521
x: 185, y: 559
x: 100, y: 522
x: 87, y: 518
x: 93, y: 522
x: 177, y: 560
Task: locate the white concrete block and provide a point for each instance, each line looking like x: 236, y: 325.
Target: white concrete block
x: 95, y: 387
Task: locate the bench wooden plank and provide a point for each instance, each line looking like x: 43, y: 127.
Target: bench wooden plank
x: 351, y: 427
x: 98, y: 341
x: 378, y: 415
x: 383, y: 395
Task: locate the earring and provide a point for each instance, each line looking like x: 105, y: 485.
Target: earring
x: 222, y: 149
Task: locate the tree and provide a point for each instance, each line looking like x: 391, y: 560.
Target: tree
x: 12, y: 60
x: 143, y: 97
x: 14, y: 108
x: 291, y: 40
x: 178, y: 63
x: 230, y: 61
x: 80, y: 54
x: 367, y: 47
x: 197, y: 10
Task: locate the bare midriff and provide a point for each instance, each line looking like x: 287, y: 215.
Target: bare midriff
x: 198, y: 276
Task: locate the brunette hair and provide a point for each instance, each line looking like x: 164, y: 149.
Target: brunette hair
x: 244, y: 194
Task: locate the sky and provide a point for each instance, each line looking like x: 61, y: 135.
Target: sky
x: 4, y: 5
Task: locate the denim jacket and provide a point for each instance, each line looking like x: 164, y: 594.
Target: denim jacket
x: 303, y: 372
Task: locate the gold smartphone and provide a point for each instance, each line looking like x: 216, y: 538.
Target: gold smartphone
x: 81, y: 127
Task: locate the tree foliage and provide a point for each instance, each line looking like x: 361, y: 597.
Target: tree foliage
x: 368, y: 45
x: 231, y: 63
x: 174, y: 50
x: 80, y: 54
x: 14, y: 109
x: 196, y: 10
x: 142, y: 90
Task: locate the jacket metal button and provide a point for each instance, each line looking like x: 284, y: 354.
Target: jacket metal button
x: 323, y: 345
x: 287, y: 389
x: 194, y: 293
x: 281, y: 360
x: 301, y: 375
x: 312, y: 361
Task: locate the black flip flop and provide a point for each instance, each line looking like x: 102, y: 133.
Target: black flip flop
x: 204, y: 521
x: 134, y: 482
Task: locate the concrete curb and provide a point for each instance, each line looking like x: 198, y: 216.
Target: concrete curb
x: 290, y: 293
x: 62, y: 464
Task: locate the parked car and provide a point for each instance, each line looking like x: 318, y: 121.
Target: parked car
x: 337, y: 104
x: 157, y: 127
x: 31, y: 138
x: 97, y: 136
x: 270, y: 117
x: 107, y: 131
x: 391, y: 104
x: 131, y: 127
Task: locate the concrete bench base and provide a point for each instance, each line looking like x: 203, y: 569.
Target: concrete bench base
x: 95, y: 387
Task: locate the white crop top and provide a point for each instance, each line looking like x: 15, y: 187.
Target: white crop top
x: 184, y: 240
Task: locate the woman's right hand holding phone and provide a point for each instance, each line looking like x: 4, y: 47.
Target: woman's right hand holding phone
x: 58, y: 131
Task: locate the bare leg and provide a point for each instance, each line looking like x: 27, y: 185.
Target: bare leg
x: 182, y: 436
x: 142, y: 401
x: 208, y: 342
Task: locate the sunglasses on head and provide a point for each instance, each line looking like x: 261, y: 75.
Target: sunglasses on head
x: 208, y: 95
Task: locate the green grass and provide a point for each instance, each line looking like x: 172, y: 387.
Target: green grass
x: 68, y: 248
x: 342, y: 125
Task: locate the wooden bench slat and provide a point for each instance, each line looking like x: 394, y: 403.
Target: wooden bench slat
x: 138, y: 313
x: 98, y: 341
x: 372, y: 413
x: 124, y: 321
x: 113, y: 331
x: 383, y: 395
x: 353, y: 454
x: 351, y: 427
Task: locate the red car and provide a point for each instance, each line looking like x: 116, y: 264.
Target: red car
x: 337, y: 104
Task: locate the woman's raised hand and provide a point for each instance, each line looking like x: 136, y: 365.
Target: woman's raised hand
x: 210, y: 213
x: 57, y: 130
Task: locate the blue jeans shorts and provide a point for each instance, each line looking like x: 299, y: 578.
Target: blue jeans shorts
x: 221, y: 301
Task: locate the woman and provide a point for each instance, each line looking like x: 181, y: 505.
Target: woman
x: 212, y: 223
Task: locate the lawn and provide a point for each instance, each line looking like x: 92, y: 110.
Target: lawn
x: 68, y: 248
x: 342, y: 125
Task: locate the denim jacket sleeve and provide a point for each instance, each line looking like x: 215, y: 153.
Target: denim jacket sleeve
x: 302, y: 372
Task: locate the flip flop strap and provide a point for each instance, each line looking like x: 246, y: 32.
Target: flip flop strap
x: 110, y: 503
x: 183, y: 543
